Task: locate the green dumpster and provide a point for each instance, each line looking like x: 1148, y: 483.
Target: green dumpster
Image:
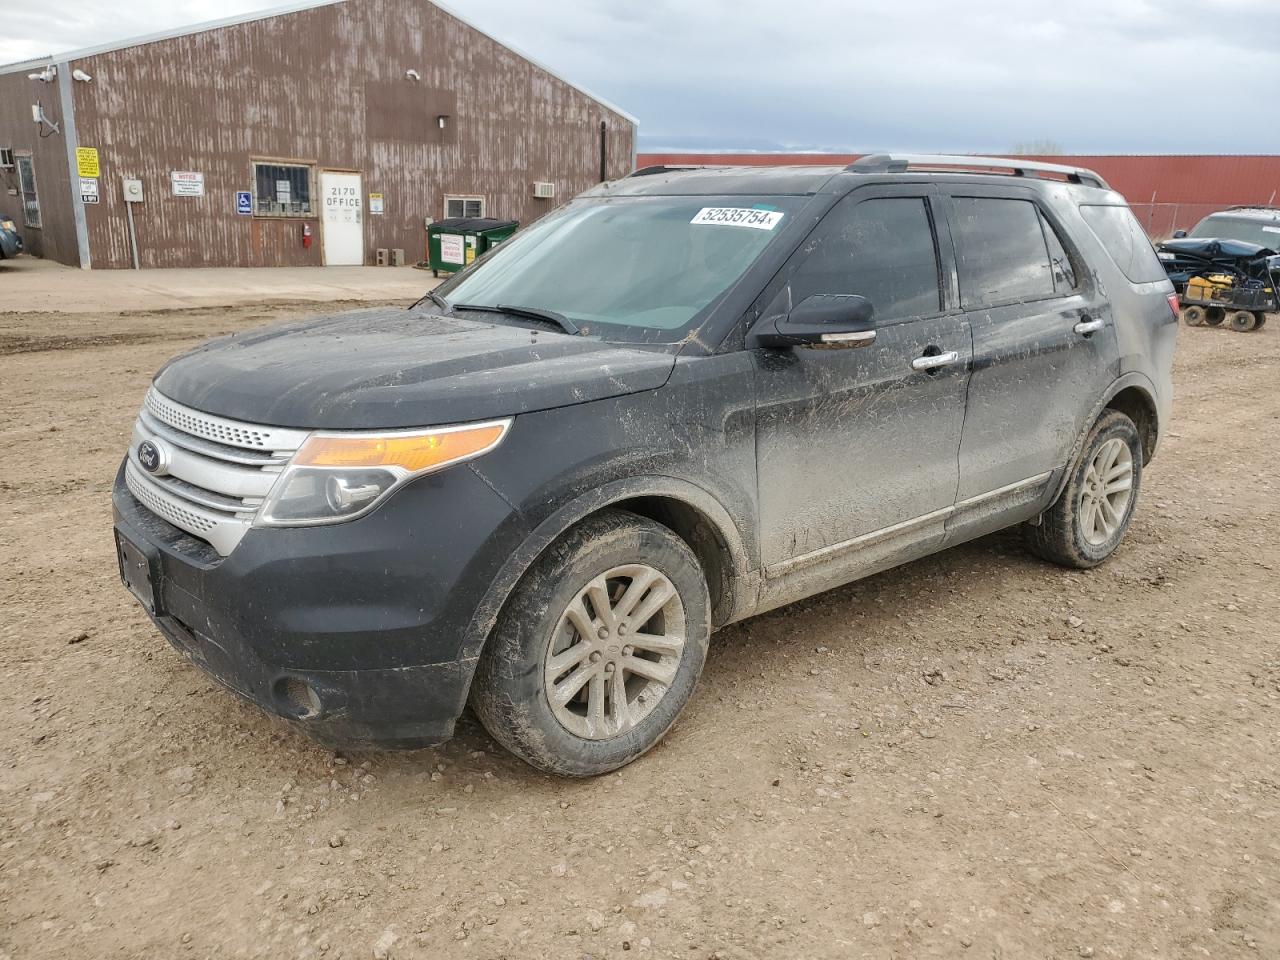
x: 453, y: 243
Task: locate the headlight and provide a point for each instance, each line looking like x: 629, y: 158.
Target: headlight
x: 338, y: 476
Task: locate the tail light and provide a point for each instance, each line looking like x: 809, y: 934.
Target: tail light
x: 1174, y: 305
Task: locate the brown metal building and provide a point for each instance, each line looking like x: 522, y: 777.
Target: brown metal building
x: 357, y: 119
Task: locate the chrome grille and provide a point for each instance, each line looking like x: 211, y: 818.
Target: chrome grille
x: 218, y: 471
x: 203, y: 425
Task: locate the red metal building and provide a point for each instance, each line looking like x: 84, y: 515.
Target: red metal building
x: 1166, y: 192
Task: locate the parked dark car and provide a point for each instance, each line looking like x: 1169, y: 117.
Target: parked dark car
x: 682, y: 399
x: 1257, y: 225
x: 10, y: 240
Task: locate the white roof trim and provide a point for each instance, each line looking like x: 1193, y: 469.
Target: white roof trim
x: 537, y: 63
x: 297, y: 7
x: 186, y: 31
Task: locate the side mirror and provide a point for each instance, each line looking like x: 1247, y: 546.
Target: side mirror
x: 823, y: 320
x: 1179, y: 234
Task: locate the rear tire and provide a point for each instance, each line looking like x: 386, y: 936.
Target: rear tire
x: 1193, y: 316
x: 1089, y: 519
x: 598, y: 648
x: 1214, y: 316
x: 1242, y: 321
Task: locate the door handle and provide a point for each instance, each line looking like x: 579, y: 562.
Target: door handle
x: 935, y: 361
x: 1087, y: 326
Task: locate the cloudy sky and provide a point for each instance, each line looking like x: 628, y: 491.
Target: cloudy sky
x: 1090, y: 75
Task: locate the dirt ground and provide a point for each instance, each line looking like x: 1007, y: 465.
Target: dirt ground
x: 978, y: 755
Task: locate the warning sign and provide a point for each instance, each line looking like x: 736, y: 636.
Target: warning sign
x: 88, y: 190
x: 87, y: 162
x: 375, y: 203
x: 451, y: 249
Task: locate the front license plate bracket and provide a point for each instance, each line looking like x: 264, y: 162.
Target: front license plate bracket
x: 138, y: 572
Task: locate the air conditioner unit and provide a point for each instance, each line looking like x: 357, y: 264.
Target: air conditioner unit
x: 544, y: 191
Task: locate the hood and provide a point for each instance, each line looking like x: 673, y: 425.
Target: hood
x: 1214, y: 247
x: 387, y: 368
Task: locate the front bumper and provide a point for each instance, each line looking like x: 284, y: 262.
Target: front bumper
x: 352, y: 632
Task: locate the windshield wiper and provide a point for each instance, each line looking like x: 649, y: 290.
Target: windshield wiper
x: 529, y: 313
x: 435, y: 298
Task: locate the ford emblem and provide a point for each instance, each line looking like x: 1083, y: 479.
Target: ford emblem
x: 153, y: 457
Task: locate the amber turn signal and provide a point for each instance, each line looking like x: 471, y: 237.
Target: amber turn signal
x: 413, y: 453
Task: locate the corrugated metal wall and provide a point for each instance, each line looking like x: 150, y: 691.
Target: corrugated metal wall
x: 56, y: 238
x: 1165, y: 191
x: 303, y: 86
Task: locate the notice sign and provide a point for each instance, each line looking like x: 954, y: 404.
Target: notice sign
x: 88, y: 190
x: 451, y: 249
x: 284, y: 193
x: 187, y: 183
x: 375, y: 203
x: 244, y: 203
x: 87, y: 162
x: 738, y: 217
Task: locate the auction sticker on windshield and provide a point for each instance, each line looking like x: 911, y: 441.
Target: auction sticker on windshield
x: 738, y: 217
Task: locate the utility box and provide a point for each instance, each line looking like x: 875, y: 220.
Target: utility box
x: 454, y: 243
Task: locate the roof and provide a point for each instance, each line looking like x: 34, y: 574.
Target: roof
x: 1265, y: 214
x: 722, y: 180
x: 299, y: 6
x: 808, y: 179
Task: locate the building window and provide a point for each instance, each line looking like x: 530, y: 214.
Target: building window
x: 27, y: 186
x: 282, y: 189
x: 6, y: 158
x: 463, y: 207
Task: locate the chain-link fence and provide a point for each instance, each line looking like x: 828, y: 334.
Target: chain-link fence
x: 1160, y: 220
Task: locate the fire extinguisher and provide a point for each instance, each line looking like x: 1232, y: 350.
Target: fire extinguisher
x: 306, y: 235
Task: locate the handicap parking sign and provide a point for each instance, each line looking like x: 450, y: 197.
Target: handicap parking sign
x: 244, y: 202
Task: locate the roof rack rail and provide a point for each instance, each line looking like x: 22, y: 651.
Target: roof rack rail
x: 901, y: 162
x: 665, y: 168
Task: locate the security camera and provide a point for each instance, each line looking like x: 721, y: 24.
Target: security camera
x: 412, y: 75
x: 81, y: 76
x: 44, y: 76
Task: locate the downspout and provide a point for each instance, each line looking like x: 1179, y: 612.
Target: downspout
x: 604, y: 153
x: 67, y: 99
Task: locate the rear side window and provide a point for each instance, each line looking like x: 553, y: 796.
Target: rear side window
x: 1001, y: 252
x: 1124, y: 240
x: 882, y: 249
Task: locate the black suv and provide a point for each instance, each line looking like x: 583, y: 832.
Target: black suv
x: 680, y: 400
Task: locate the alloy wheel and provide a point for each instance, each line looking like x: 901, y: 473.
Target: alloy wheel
x: 1106, y: 491
x: 615, y: 651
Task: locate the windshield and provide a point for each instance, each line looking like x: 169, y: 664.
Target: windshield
x: 1234, y: 228
x: 627, y: 268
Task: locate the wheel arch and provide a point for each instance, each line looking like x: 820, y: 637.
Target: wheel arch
x: 692, y: 513
x: 1138, y: 405
x: 1134, y: 396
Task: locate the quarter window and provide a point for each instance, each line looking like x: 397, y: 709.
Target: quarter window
x: 282, y: 189
x: 1001, y: 253
x: 1125, y: 241
x: 27, y: 187
x: 882, y: 249
x: 469, y: 207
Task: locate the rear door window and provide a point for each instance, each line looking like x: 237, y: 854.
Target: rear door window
x: 1125, y: 240
x: 882, y: 249
x: 1001, y: 253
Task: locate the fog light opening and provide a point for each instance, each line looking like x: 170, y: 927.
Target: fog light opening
x: 298, y: 697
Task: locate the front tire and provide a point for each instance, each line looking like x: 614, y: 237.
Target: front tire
x: 598, y: 649
x: 1088, y: 520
